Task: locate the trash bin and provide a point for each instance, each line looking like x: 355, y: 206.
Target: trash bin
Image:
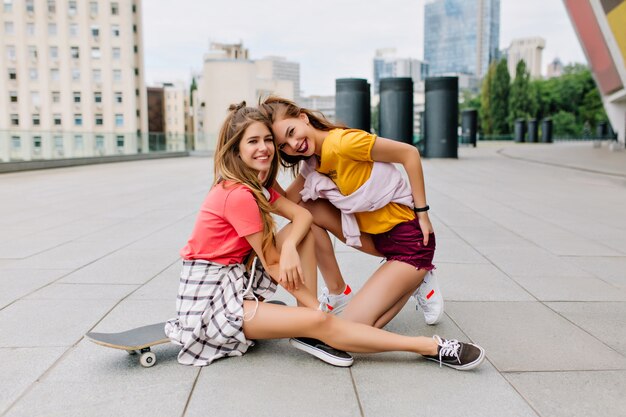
x: 519, y: 131
x: 546, y: 130
x: 396, y: 109
x: 352, y: 103
x: 469, y: 126
x: 602, y: 130
x: 532, y: 131
x: 442, y: 117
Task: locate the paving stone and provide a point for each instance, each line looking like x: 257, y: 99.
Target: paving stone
x: 573, y: 394
x: 16, y: 283
x: 563, y: 288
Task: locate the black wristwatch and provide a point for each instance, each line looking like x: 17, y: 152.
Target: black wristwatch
x: 421, y: 209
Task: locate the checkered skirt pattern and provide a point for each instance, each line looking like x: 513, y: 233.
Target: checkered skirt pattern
x: 210, y: 318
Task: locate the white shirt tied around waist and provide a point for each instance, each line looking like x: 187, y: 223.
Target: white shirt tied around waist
x: 385, y: 185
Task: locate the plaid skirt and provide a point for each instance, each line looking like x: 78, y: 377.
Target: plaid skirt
x: 210, y: 312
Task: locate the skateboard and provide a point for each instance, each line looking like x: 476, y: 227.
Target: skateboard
x: 134, y: 341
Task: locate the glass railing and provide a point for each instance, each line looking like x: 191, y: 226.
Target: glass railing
x: 18, y: 146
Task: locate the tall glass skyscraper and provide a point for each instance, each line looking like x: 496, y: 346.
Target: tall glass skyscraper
x: 461, y: 36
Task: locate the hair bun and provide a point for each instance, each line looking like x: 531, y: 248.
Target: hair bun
x: 237, y: 107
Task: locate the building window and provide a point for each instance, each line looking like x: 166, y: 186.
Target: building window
x: 32, y: 52
x: 116, y: 53
x: 36, y: 120
x: 54, y: 74
x: 8, y: 6
x: 11, y: 52
x: 37, y: 143
x: 115, y: 30
x: 56, y: 119
x: 78, y: 142
x: 118, y: 97
x: 134, y: 8
x: 97, y: 97
x: 30, y: 29
x: 95, y: 31
x: 115, y: 9
x: 75, y: 74
x: 54, y: 52
x: 78, y: 119
x: 71, y: 8
x: 76, y: 95
x: 134, y: 28
x: 56, y: 97
x: 30, y: 6
x: 33, y: 74
x: 16, y: 143
x: 9, y: 28
x: 74, y: 52
x: 100, y: 143
x: 95, y: 52
x: 97, y: 75
x: 136, y: 49
x: 15, y: 120
x: 117, y: 75
x: 12, y: 74
x: 93, y: 8
x: 99, y: 120
x: 120, y: 141
x: 13, y: 96
x: 119, y: 120
x: 34, y: 98
x: 52, y: 7
x: 73, y: 30
x: 58, y: 143
x: 136, y: 71
x: 52, y: 29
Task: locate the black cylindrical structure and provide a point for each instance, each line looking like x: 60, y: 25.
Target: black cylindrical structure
x: 396, y: 109
x: 520, y: 127
x: 469, y: 126
x: 602, y: 130
x: 352, y: 103
x: 546, y: 130
x: 442, y: 117
x: 532, y: 131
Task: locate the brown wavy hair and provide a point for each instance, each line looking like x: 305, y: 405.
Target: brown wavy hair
x: 230, y: 167
x: 277, y: 108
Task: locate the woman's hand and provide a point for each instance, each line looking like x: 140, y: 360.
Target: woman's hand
x: 290, y: 270
x: 425, y: 225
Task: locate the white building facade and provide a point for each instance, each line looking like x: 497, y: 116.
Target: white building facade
x: 530, y: 50
x: 71, y: 79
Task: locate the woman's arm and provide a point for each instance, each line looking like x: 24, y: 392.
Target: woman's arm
x: 387, y: 150
x: 293, y: 190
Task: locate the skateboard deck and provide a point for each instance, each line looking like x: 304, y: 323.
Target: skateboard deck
x: 138, y: 340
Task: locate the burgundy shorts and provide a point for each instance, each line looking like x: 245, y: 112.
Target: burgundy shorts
x: 405, y: 243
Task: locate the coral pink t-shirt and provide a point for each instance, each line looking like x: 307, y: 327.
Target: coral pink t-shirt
x: 228, y: 214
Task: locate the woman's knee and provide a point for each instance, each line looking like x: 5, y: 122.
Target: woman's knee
x: 321, y: 321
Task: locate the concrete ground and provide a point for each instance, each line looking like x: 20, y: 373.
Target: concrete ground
x: 531, y: 258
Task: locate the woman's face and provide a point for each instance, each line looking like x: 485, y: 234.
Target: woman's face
x: 293, y: 136
x: 256, y: 148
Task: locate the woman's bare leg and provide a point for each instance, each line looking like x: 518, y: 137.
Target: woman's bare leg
x: 275, y: 321
x: 306, y: 295
x: 384, y: 294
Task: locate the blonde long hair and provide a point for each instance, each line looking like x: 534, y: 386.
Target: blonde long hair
x: 277, y: 108
x: 230, y: 167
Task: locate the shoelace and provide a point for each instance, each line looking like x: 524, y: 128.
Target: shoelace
x: 449, y: 348
x: 325, y: 296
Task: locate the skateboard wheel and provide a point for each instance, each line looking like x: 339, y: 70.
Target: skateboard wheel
x: 147, y: 359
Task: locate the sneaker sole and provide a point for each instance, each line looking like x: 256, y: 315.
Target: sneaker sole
x: 467, y: 366
x: 321, y: 355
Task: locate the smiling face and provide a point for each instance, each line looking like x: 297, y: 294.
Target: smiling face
x: 256, y: 148
x: 294, y: 136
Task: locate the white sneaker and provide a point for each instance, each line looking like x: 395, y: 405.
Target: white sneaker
x: 335, y: 303
x: 429, y: 299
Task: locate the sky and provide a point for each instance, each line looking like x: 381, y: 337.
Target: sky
x: 329, y: 38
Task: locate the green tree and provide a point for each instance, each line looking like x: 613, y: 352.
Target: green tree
x: 484, y: 113
x: 564, y: 124
x: 499, y: 98
x: 522, y: 96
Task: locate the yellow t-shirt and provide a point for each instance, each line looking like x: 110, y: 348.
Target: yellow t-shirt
x: 346, y: 158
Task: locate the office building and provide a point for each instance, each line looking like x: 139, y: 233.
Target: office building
x: 71, y: 78
x: 530, y: 51
x: 388, y: 65
x: 278, y: 68
x: 461, y: 36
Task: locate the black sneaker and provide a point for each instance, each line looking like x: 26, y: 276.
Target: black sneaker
x: 277, y: 302
x: 322, y: 351
x: 457, y: 355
